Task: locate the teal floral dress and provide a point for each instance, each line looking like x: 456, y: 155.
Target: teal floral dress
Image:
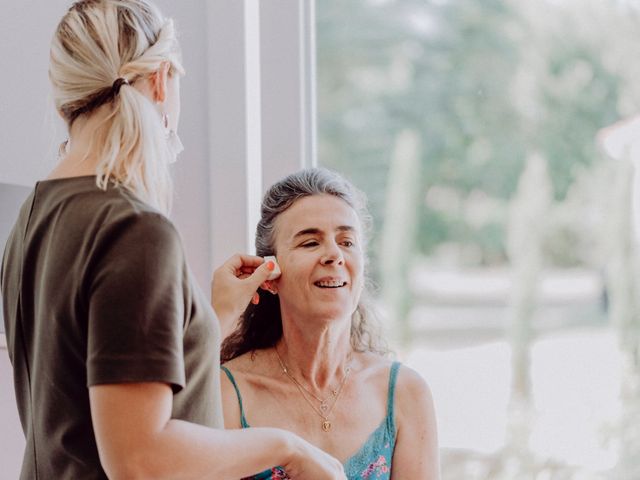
x: 372, y: 461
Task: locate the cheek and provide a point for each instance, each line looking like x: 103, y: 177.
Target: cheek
x: 288, y: 282
x: 357, y: 267
x: 295, y: 273
x: 359, y: 277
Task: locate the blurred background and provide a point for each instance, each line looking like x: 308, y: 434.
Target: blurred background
x: 495, y: 140
x: 487, y: 137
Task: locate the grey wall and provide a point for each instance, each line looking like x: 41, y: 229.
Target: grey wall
x: 30, y: 133
x: 11, y: 197
x: 30, y: 130
x: 27, y: 125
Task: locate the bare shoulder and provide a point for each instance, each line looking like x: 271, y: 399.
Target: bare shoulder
x: 238, y: 363
x: 248, y: 363
x: 410, y: 385
x: 413, y: 396
x: 416, y: 452
x: 411, y: 382
x: 374, y: 369
x: 371, y: 363
x: 246, y: 370
x: 238, y: 368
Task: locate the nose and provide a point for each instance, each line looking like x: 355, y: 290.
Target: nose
x: 332, y: 255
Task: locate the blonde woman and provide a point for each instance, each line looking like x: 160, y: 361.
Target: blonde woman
x: 109, y: 336
x: 305, y: 356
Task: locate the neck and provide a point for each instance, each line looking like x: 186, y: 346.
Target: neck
x: 80, y: 157
x: 318, y: 357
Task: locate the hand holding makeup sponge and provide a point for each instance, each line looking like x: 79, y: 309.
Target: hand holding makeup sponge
x: 276, y: 271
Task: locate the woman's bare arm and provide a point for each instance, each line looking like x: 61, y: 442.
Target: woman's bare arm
x: 416, y: 452
x: 137, y: 439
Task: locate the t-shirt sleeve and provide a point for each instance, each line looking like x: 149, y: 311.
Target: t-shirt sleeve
x: 136, y: 304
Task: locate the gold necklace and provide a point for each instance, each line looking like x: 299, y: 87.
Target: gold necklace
x: 325, y: 409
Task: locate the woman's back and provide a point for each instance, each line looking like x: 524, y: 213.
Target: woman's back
x: 96, y: 290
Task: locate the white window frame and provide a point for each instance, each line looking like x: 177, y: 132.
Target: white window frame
x: 262, y: 110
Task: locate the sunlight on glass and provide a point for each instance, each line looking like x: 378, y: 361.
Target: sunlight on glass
x: 496, y: 142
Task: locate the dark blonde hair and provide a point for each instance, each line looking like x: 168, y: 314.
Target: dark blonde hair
x: 261, y: 325
x: 99, y: 49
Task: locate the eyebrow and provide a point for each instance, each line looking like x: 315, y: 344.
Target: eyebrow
x: 317, y: 231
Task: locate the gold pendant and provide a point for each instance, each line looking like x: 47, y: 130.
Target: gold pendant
x: 326, y: 425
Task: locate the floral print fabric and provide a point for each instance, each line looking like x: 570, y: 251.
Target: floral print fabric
x: 371, y: 462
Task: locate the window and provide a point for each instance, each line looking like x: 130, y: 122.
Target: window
x: 503, y: 244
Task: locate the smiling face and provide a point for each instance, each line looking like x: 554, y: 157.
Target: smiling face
x: 318, y: 243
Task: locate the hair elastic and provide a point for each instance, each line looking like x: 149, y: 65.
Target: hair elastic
x: 117, y: 83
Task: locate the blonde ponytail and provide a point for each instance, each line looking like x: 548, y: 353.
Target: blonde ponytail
x: 100, y: 48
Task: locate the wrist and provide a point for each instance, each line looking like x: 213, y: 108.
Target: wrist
x: 292, y: 448
x: 224, y: 314
x: 228, y: 324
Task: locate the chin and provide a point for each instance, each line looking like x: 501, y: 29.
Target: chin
x: 331, y: 314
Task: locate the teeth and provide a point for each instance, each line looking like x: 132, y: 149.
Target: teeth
x: 331, y: 284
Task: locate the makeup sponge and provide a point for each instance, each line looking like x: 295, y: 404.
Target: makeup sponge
x: 276, y: 271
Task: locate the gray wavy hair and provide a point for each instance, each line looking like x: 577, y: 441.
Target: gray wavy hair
x: 261, y: 325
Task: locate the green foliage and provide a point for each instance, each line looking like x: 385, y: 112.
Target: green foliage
x: 484, y: 83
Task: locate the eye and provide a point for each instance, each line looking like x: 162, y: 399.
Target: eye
x: 348, y: 243
x: 310, y: 243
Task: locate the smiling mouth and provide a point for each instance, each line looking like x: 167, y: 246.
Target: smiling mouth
x: 330, y: 284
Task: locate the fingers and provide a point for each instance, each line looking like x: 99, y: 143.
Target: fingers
x: 261, y: 274
x: 240, y: 261
x: 256, y: 298
x: 259, y: 279
x: 244, y: 266
x: 236, y: 282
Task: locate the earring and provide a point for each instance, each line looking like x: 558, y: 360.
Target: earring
x: 63, y: 149
x: 173, y: 141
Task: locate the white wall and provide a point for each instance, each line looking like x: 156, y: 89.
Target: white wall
x: 247, y: 119
x: 27, y: 133
x: 30, y: 130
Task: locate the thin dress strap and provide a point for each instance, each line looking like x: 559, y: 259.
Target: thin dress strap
x: 243, y: 420
x: 393, y: 376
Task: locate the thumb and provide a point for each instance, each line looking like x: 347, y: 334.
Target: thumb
x: 261, y: 274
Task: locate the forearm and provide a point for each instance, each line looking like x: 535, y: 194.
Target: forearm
x: 228, y: 325
x: 138, y: 439
x: 184, y: 450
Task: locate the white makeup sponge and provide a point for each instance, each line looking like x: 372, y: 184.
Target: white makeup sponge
x: 276, y: 271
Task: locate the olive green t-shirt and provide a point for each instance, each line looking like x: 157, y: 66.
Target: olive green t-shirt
x: 95, y: 291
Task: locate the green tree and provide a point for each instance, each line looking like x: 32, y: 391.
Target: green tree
x: 486, y: 84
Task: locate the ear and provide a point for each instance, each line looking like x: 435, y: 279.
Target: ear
x: 159, y: 82
x: 270, y: 286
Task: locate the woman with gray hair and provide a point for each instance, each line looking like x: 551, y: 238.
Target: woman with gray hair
x: 109, y: 336
x: 306, y: 356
